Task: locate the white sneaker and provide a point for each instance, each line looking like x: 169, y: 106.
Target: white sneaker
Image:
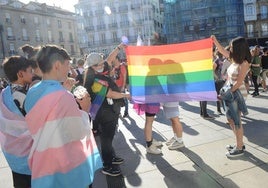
x: 176, y: 145
x: 153, y: 150
x: 156, y: 143
x: 170, y: 141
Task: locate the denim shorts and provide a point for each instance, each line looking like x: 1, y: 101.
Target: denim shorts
x: 171, y: 109
x: 230, y: 114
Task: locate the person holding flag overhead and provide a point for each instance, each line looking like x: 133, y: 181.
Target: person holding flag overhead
x: 234, y: 91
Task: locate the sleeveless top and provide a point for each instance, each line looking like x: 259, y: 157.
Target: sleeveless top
x: 232, y: 74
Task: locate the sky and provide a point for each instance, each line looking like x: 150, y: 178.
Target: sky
x: 64, y: 4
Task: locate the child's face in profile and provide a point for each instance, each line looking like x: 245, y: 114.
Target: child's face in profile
x: 26, y: 75
x: 63, y: 71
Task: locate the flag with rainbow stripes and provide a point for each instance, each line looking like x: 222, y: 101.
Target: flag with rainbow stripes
x: 168, y: 73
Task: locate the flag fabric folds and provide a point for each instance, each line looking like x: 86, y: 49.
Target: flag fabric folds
x: 15, y: 138
x: 167, y: 73
x: 64, y: 151
x: 100, y: 87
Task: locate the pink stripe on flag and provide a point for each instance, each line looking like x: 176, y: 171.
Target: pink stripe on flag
x: 39, y: 112
x: 68, y: 157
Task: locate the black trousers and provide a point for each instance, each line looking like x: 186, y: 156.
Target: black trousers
x: 255, y: 83
x: 21, y: 180
x: 203, y: 108
x: 107, y: 121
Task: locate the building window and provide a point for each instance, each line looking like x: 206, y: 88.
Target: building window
x: 12, y: 49
x: 22, y: 19
x: 264, y: 29
x: 72, y: 50
x: 264, y: 12
x: 71, y: 37
x: 59, y: 24
x: 10, y: 35
x: 250, y: 30
x: 49, y: 34
x: 126, y: 32
x: 36, y: 21
x: 8, y: 19
x: 60, y: 36
x: 103, y: 38
x: 24, y: 35
x: 91, y: 40
x: 48, y: 22
x: 69, y: 25
x: 37, y: 35
x: 114, y: 36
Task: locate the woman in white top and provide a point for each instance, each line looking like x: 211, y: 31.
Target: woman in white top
x: 240, y: 57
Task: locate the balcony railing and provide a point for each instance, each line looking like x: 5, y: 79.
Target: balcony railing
x: 25, y: 38
x: 90, y: 28
x: 61, y: 40
x: 11, y: 37
x: 101, y: 27
x: 113, y: 25
x: 124, y: 24
x: 123, y: 8
x: 38, y: 39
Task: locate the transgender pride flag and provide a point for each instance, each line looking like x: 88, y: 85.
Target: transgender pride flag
x: 166, y: 73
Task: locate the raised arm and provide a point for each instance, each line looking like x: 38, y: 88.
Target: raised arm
x: 114, y: 53
x: 220, y: 48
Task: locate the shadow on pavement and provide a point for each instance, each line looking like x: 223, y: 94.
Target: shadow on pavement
x: 199, y: 163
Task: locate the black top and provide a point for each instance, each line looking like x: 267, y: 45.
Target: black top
x: 264, y: 62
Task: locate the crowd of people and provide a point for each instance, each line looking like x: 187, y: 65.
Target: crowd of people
x: 51, y: 110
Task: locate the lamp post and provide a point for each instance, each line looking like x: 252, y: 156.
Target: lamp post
x: 2, y: 41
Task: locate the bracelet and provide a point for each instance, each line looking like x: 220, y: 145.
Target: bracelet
x: 118, y: 48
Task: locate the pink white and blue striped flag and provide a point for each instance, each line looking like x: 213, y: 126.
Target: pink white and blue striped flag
x: 64, y: 152
x: 15, y: 137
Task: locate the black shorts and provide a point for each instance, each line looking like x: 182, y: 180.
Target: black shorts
x: 149, y: 114
x: 21, y: 180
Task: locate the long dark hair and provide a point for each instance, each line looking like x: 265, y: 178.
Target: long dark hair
x: 240, y: 50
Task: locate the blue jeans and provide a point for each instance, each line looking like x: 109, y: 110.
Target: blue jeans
x: 234, y: 103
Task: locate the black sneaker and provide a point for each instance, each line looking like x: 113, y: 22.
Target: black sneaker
x: 220, y: 113
x: 111, y: 171
x: 235, y: 152
x: 208, y: 117
x: 255, y: 94
x: 117, y: 161
x: 230, y: 147
x: 125, y: 115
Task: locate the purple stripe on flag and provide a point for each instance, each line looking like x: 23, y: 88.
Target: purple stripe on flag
x: 194, y: 96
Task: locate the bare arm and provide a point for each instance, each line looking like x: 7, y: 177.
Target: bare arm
x: 114, y: 53
x: 124, y: 77
x: 244, y: 67
x: 220, y: 48
x: 116, y: 95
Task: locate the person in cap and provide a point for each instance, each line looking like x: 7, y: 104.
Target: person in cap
x: 106, y: 101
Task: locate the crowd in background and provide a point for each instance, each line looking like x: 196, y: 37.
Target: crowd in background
x: 106, y: 83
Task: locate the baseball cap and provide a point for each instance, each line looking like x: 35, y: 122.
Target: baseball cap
x: 93, y: 59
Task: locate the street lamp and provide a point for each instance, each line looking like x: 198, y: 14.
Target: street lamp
x: 2, y: 41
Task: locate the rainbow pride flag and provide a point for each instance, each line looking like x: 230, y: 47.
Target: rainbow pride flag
x: 167, y: 73
x: 100, y: 88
